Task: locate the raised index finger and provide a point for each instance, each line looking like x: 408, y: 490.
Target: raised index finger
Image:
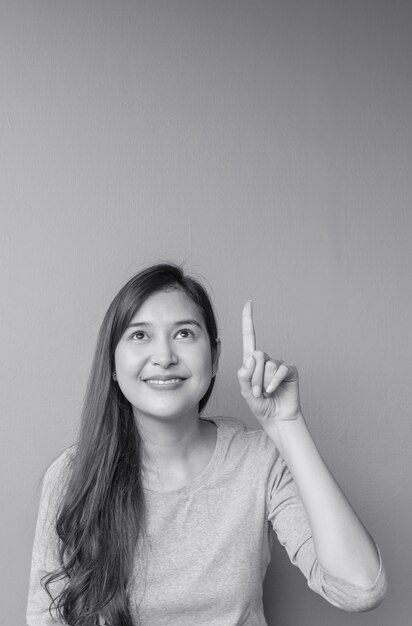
x: 248, y: 330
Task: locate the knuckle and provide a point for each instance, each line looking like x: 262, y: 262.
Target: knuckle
x: 242, y: 374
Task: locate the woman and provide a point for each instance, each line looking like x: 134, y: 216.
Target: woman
x: 160, y: 516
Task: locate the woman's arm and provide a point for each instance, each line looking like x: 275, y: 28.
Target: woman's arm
x: 344, y: 548
x: 343, y: 545
x: 45, y: 554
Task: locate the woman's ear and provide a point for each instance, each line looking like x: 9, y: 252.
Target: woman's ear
x: 216, y: 355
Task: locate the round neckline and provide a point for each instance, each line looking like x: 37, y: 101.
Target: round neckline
x: 204, y: 474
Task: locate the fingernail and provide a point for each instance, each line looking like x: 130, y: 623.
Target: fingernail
x: 256, y: 391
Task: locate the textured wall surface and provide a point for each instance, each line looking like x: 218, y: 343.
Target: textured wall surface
x: 267, y: 145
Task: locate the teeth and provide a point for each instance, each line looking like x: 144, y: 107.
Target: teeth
x: 165, y: 382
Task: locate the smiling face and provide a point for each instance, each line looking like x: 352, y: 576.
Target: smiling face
x: 166, y: 339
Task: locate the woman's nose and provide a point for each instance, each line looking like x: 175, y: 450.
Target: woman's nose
x: 163, y: 354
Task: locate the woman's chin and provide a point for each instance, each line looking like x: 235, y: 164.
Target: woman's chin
x: 166, y: 413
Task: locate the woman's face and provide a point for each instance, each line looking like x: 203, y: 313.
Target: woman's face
x: 166, y: 340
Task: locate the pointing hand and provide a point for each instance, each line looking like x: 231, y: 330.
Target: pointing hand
x: 270, y: 387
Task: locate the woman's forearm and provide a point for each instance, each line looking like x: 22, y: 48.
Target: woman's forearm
x: 344, y: 548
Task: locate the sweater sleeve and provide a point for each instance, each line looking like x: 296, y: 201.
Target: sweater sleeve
x: 45, y: 556
x: 289, y: 520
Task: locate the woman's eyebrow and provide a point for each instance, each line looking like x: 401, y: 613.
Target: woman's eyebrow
x: 179, y: 323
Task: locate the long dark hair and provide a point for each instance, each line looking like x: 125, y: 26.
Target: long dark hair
x: 102, y: 514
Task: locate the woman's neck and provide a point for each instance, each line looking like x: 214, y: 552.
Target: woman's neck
x: 170, y: 442
x: 177, y: 457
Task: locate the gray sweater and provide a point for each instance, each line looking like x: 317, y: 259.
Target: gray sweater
x: 209, y: 542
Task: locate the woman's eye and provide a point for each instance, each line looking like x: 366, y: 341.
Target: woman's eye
x: 186, y: 332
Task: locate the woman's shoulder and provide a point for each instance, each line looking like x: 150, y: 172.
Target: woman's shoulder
x: 246, y: 450
x: 236, y: 423
x: 228, y: 421
x: 58, y: 470
x: 250, y: 434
